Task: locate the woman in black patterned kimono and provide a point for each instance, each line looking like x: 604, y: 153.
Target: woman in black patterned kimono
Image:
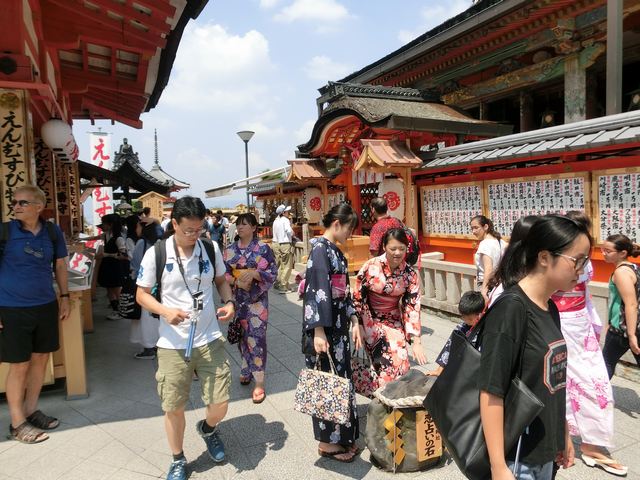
x: 329, y: 320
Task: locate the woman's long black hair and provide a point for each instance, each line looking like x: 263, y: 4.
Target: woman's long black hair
x: 344, y: 213
x: 553, y: 233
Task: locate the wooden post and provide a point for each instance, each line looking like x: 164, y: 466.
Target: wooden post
x: 409, y: 201
x: 325, y: 196
x: 72, y: 346
x: 305, y: 238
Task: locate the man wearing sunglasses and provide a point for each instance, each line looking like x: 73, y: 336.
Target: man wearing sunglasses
x: 29, y: 310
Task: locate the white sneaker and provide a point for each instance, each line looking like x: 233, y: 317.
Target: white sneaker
x: 114, y: 316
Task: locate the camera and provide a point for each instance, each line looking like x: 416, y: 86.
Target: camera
x: 198, y: 302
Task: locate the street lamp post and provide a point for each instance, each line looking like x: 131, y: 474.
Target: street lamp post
x: 245, y: 136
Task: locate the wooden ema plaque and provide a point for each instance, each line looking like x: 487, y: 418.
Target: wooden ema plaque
x: 428, y: 440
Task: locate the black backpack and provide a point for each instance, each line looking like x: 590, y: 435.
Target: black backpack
x: 51, y: 230
x: 160, y: 248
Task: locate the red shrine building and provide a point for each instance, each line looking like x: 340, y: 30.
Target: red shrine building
x: 63, y: 60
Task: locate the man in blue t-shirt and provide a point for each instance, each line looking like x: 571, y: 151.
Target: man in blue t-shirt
x: 29, y: 311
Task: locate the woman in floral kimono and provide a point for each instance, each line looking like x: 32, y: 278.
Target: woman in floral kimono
x: 329, y: 317
x: 251, y: 271
x: 387, y: 300
x: 589, y: 394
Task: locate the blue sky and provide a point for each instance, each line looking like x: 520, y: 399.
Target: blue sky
x: 257, y: 65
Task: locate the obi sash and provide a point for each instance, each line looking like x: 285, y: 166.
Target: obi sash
x: 338, y: 285
x: 572, y: 301
x: 383, y: 303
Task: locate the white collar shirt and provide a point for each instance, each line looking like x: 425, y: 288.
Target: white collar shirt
x: 176, y: 295
x: 282, y: 231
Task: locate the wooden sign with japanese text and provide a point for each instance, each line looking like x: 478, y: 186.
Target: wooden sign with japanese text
x: 75, y: 209
x: 509, y: 200
x: 448, y: 209
x: 428, y: 439
x: 14, y: 146
x: 44, y: 172
x: 617, y: 207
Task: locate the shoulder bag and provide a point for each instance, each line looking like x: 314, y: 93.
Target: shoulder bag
x: 454, y: 404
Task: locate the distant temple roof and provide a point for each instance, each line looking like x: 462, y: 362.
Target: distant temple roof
x: 159, y: 173
x: 127, y: 172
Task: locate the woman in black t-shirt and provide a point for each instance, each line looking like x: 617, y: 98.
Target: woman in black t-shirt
x: 550, y: 258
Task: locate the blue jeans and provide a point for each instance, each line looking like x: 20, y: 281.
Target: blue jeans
x: 532, y: 472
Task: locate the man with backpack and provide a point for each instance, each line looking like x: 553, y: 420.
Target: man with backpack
x: 30, y: 249
x: 183, y: 270
x: 384, y: 223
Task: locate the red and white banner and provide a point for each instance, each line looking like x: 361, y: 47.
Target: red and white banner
x: 100, y: 155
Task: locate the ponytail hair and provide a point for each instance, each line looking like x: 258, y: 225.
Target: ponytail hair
x: 342, y: 212
x: 624, y: 243
x: 553, y: 233
x: 518, y: 234
x: 484, y: 221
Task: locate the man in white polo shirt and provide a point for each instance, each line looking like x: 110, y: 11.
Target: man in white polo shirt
x: 282, y: 247
x: 186, y: 291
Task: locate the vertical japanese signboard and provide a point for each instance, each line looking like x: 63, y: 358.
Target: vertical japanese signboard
x: 45, y: 161
x: 14, y: 146
x: 74, y: 198
x: 100, y: 155
x: 428, y: 440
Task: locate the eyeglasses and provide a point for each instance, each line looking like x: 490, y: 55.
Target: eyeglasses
x: 578, y: 263
x: 191, y: 233
x: 606, y: 251
x: 36, y: 253
x: 22, y: 203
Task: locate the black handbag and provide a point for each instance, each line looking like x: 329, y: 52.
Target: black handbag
x: 127, y: 306
x: 454, y: 405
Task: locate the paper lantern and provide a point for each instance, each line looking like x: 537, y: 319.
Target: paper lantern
x: 59, y: 138
x: 313, y: 205
x: 392, y: 190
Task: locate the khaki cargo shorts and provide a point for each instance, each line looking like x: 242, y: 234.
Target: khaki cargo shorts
x: 174, y: 375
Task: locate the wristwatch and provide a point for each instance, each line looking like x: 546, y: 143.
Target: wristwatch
x: 232, y: 302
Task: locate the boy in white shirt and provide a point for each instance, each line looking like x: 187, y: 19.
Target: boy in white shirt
x: 187, y: 290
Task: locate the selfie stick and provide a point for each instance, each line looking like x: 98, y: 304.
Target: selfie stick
x: 192, y: 334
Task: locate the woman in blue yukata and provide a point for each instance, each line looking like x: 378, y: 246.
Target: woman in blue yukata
x: 329, y: 320
x: 251, y: 271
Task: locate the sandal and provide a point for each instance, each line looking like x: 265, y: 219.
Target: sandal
x: 333, y: 455
x: 607, y: 464
x: 42, y: 421
x: 27, y: 433
x: 258, y: 395
x: 245, y: 380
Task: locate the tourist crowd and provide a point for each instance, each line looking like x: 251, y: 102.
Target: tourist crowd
x: 177, y: 280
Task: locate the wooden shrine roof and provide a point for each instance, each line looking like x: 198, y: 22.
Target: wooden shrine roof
x: 307, y: 170
x: 106, y: 59
x: 614, y: 131
x: 352, y: 107
x: 386, y: 154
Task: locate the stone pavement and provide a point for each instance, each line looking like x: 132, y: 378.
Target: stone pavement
x: 117, y: 433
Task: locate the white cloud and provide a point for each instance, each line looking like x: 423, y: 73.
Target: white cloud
x: 215, y: 69
x: 323, y: 69
x: 268, y: 3
x: 303, y: 134
x: 432, y: 16
x: 264, y: 130
x: 313, y: 10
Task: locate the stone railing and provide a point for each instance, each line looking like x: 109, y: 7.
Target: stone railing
x: 299, y: 252
x: 442, y: 284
